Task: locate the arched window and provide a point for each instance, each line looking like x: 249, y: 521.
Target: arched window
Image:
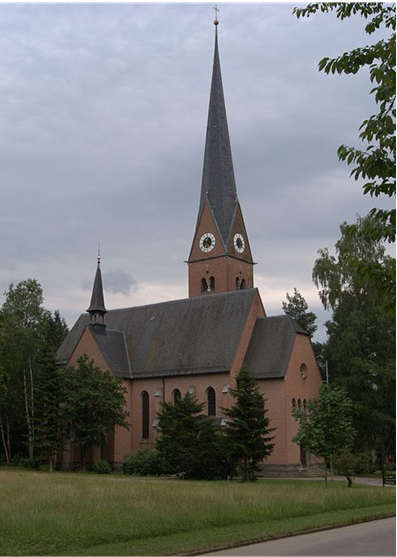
x: 242, y: 285
x: 211, y: 401
x: 299, y: 404
x: 176, y: 395
x: 212, y: 284
x: 204, y: 286
x: 304, y: 404
x: 145, y: 415
x: 293, y: 403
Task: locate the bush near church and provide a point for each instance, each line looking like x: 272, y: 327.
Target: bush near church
x: 145, y: 462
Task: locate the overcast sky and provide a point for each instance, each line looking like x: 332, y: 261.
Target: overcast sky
x: 103, y: 116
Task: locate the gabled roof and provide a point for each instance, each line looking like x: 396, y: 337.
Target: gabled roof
x: 182, y: 337
x: 114, y: 348
x: 271, y: 345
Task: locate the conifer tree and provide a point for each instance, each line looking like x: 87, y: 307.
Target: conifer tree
x: 248, y: 427
x: 297, y: 308
x: 191, y: 444
x: 49, y: 427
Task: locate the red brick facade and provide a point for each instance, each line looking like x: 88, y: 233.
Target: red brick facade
x: 228, y: 267
x: 280, y: 394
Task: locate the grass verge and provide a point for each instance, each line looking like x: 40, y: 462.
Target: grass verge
x: 73, y: 514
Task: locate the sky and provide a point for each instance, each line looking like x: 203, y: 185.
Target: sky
x: 103, y: 117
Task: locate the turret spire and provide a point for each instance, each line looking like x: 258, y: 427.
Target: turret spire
x: 218, y: 174
x: 97, y: 308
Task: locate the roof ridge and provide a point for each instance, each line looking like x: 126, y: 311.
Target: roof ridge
x: 185, y: 300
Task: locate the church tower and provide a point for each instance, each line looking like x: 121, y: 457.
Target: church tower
x: 220, y: 259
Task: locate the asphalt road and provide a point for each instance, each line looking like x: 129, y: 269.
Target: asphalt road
x: 373, y: 538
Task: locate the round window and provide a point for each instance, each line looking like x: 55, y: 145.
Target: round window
x: 303, y: 371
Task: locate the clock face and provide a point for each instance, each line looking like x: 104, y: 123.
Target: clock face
x: 239, y: 243
x: 207, y: 242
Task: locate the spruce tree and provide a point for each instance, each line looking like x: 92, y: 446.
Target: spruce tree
x: 297, y: 308
x: 191, y: 444
x: 248, y: 431
x: 49, y: 430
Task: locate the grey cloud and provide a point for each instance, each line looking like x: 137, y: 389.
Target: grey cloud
x: 103, y: 119
x: 119, y: 282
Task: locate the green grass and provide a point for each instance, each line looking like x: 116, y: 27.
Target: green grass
x: 81, y: 514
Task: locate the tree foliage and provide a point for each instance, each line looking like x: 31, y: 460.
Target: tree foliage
x: 190, y: 443
x: 346, y: 463
x: 93, y: 404
x: 297, y: 308
x: 326, y: 426
x: 49, y: 434
x: 361, y: 337
x: 375, y: 162
x: 248, y: 431
x: 29, y: 336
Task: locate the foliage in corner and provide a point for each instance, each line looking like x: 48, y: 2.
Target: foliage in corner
x: 375, y: 163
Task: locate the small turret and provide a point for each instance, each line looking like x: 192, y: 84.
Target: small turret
x: 97, y: 308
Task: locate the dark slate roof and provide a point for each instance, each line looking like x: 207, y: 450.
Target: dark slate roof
x: 271, y: 344
x: 97, y: 300
x: 218, y: 183
x: 195, y: 335
x: 113, y: 346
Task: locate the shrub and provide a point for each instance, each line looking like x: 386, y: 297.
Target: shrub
x: 30, y: 463
x: 101, y: 467
x: 145, y: 462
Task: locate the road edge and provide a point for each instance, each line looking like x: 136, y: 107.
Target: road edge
x: 289, y: 535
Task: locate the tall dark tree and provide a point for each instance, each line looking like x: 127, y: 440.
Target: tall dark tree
x: 94, y: 403
x: 189, y: 441
x: 361, y: 336
x: 375, y: 161
x: 248, y: 431
x: 49, y: 422
x: 297, y: 308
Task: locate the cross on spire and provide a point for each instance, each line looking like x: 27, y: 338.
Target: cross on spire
x: 216, y: 9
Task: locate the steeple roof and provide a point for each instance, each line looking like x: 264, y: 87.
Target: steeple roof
x: 97, y: 304
x: 218, y: 184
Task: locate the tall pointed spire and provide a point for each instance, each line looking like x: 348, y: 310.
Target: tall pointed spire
x: 220, y: 259
x: 97, y: 308
x: 218, y: 183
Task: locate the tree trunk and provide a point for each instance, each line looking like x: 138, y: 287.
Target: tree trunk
x: 51, y: 464
x: 326, y: 473
x: 5, y: 437
x: 83, y: 451
x: 28, y: 415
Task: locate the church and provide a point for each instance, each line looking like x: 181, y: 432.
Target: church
x: 198, y: 344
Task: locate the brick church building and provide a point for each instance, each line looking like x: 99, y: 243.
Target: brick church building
x: 199, y: 344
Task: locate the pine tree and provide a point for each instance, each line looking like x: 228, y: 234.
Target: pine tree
x: 191, y: 444
x: 297, y: 308
x: 49, y: 427
x: 248, y: 427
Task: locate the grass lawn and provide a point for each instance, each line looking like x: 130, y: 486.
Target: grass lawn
x: 84, y: 514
